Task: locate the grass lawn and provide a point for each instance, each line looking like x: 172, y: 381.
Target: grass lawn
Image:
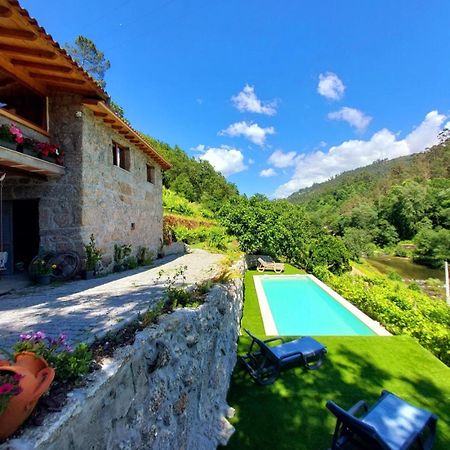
x: 291, y: 413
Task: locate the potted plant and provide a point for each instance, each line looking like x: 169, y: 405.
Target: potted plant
x: 28, y: 147
x: 48, y: 152
x: 24, y: 378
x: 42, y: 271
x: 10, y: 136
x: 93, y: 257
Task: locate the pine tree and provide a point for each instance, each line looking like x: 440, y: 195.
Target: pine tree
x: 88, y: 56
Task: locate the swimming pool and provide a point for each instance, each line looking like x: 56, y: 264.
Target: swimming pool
x: 293, y: 305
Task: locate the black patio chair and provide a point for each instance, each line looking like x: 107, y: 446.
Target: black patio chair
x: 264, y: 363
x: 391, y: 424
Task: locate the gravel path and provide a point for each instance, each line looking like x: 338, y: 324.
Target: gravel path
x: 90, y: 308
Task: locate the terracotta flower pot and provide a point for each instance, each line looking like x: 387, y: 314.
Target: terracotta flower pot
x: 36, y: 380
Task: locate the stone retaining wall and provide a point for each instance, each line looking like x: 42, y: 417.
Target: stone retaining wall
x: 166, y: 391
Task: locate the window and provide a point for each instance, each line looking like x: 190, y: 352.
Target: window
x: 150, y: 174
x: 121, y: 156
x: 20, y: 101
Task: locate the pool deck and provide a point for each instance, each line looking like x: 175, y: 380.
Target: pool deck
x: 266, y: 314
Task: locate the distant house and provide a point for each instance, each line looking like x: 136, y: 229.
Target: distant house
x: 108, y: 180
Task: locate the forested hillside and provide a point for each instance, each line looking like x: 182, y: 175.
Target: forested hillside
x: 195, y: 180
x: 387, y: 202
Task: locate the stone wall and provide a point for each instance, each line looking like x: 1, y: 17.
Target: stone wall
x: 114, y: 198
x: 166, y: 391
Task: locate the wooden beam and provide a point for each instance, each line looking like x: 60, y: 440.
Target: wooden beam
x: 17, y: 34
x: 116, y: 127
x: 18, y: 50
x: 109, y: 120
x: 39, y: 65
x: 56, y: 78
x: 99, y: 114
x: 5, y: 12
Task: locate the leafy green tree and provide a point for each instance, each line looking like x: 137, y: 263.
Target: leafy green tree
x: 432, y: 247
x: 385, y: 234
x: 404, y: 207
x: 357, y: 242
x: 88, y: 56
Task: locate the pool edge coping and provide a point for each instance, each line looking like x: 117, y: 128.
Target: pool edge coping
x: 266, y: 313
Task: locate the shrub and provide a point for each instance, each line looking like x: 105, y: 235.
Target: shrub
x: 121, y: 252
x: 69, y: 364
x: 176, y: 204
x: 214, y: 237
x: 93, y: 254
x: 394, y: 276
x: 399, y: 309
x: 131, y: 262
x: 144, y: 256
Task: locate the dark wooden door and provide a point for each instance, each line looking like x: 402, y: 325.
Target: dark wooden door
x: 7, y: 235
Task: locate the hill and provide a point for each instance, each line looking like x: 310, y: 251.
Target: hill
x: 406, y: 198
x: 376, y: 178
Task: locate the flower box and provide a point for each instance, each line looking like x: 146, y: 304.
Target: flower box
x: 8, y: 144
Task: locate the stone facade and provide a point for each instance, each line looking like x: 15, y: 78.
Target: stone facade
x: 59, y: 199
x: 113, y: 198
x: 93, y: 196
x: 166, y: 391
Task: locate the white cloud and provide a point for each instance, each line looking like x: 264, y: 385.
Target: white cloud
x: 252, y: 131
x: 251, y: 161
x: 267, y: 173
x: 281, y: 160
x: 352, y: 116
x: 330, y: 86
x: 319, y: 166
x: 199, y: 148
x: 225, y: 159
x: 247, y: 100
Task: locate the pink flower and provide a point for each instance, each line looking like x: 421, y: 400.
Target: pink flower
x: 14, y: 130
x: 6, y: 388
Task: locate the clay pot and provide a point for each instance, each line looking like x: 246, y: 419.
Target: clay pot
x: 36, y: 380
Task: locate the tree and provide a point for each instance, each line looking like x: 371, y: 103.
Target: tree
x: 88, y: 56
x: 357, y: 242
x: 432, y: 247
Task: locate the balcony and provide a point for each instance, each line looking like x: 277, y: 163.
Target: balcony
x: 17, y: 163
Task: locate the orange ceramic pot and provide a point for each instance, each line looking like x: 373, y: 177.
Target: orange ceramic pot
x: 36, y: 380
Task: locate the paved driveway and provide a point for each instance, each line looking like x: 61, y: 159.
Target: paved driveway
x: 89, y: 308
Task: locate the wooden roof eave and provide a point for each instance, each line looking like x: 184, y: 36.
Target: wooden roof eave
x: 101, y: 110
x: 31, y: 55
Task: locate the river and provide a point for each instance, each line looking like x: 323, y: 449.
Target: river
x: 404, y: 267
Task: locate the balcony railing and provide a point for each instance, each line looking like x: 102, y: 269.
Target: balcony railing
x: 20, y: 163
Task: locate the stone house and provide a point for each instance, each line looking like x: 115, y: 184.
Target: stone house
x: 109, y: 182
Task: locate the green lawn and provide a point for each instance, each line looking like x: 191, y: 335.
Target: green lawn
x: 291, y: 413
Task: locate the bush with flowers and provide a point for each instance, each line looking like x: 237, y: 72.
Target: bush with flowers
x: 41, y: 267
x: 69, y: 363
x: 9, y: 387
x: 11, y: 133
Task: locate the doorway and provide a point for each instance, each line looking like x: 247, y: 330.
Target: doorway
x: 25, y: 232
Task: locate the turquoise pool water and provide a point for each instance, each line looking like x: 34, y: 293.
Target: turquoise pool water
x: 300, y: 306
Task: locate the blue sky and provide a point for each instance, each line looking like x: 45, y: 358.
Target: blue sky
x: 297, y: 90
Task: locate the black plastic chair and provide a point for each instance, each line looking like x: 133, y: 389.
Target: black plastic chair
x: 391, y: 424
x: 264, y: 363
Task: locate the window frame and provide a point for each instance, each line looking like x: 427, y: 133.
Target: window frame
x: 121, y: 156
x: 151, y: 173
